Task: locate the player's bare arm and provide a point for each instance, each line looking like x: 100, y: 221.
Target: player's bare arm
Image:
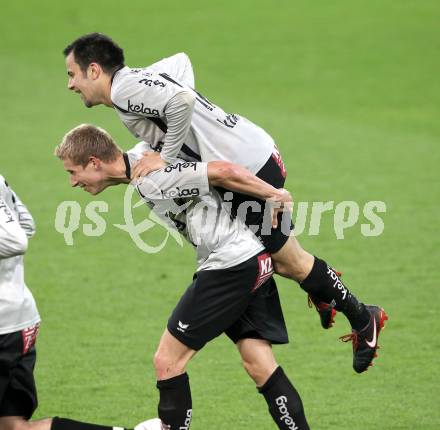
x: 238, y: 179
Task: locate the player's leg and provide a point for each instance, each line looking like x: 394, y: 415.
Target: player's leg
x: 314, y: 276
x: 211, y: 304
x: 320, y: 281
x: 327, y: 291
x: 18, y: 393
x: 289, y: 259
x: 171, y: 357
x: 284, y: 402
x: 170, y: 361
x: 292, y: 261
x: 257, y: 359
x: 260, y: 326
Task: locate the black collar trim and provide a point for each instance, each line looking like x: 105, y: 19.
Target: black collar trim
x: 127, y: 165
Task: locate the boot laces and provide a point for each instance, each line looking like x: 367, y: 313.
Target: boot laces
x: 353, y: 337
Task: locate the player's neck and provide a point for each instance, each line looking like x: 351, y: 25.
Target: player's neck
x: 106, y: 91
x: 116, y: 172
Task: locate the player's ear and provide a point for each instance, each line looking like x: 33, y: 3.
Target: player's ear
x: 96, y: 162
x: 94, y: 70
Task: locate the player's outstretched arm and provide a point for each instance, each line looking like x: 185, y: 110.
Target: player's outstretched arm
x: 237, y: 178
x: 191, y: 179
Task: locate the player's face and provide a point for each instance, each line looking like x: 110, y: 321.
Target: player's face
x: 82, y: 82
x: 90, y: 178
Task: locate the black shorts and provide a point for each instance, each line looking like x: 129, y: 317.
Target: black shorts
x: 256, y: 214
x: 241, y: 301
x: 18, y: 393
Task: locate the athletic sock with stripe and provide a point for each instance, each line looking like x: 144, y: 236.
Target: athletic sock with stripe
x: 175, y: 404
x: 284, y: 402
x: 325, y: 284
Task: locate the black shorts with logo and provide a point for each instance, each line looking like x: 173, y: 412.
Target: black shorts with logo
x: 256, y: 214
x: 18, y: 393
x: 241, y: 301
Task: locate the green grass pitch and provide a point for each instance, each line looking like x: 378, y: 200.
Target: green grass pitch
x: 350, y: 91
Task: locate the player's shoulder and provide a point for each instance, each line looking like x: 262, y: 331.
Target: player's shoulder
x: 136, y: 152
x: 128, y: 81
x: 123, y: 81
x: 167, y: 63
x: 180, y: 56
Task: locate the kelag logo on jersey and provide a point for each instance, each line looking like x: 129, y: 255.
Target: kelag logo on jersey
x: 181, y: 166
x: 177, y: 192
x: 131, y: 107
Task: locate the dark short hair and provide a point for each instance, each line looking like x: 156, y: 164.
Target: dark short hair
x: 96, y: 48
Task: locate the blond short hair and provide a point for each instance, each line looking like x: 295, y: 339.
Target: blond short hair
x: 87, y: 140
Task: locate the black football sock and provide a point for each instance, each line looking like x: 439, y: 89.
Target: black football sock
x: 284, y: 402
x: 66, y: 424
x: 324, y: 283
x: 175, y: 404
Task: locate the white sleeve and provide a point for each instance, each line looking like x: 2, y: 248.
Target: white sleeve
x: 25, y: 218
x: 179, y: 180
x: 178, y: 112
x: 13, y: 239
x: 178, y: 66
x: 155, y: 97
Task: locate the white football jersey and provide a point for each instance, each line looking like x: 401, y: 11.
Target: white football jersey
x: 180, y: 194
x: 17, y: 305
x: 143, y: 97
x: 177, y: 65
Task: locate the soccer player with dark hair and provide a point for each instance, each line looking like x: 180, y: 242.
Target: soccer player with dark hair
x: 159, y: 105
x: 232, y: 291
x: 19, y: 325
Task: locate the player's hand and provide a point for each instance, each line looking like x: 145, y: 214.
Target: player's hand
x: 150, y: 162
x: 282, y: 202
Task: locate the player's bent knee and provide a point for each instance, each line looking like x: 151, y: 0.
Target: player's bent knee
x: 293, y: 263
x: 260, y: 373
x: 291, y: 270
x: 167, y: 366
x: 161, y: 362
x: 281, y: 269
